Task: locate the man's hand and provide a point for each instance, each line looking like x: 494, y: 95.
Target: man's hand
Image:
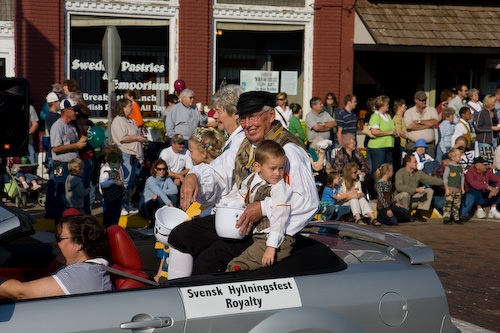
x: 389, y: 213
x: 251, y: 215
x: 420, y: 189
x: 268, y: 257
x: 189, y: 191
x: 80, y: 144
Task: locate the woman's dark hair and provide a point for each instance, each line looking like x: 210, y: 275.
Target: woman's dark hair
x: 88, y: 232
x: 335, y: 102
x: 171, y: 98
x: 131, y: 93
x: 155, y: 165
x: 72, y: 85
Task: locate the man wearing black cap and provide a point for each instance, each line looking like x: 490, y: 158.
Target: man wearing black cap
x: 214, y: 184
x: 65, y: 144
x: 481, y: 188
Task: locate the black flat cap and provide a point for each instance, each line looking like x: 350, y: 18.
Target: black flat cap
x: 253, y: 101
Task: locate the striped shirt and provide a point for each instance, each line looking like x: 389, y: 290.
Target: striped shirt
x: 348, y: 121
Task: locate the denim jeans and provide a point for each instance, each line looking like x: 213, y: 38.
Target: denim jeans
x: 378, y: 157
x: 129, y: 174
x: 334, y: 212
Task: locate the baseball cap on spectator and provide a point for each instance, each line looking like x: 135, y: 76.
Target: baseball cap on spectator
x: 68, y: 103
x: 254, y: 101
x: 178, y: 138
x: 70, y: 212
x: 480, y: 160
x: 52, y: 97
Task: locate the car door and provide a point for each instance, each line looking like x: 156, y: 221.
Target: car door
x: 118, y: 311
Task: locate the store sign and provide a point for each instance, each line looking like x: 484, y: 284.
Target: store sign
x: 251, y: 80
x: 125, y: 66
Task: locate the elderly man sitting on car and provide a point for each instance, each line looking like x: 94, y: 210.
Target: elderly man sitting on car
x: 211, y: 183
x: 411, y: 187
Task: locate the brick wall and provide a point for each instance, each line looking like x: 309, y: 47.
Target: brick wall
x: 195, y: 47
x: 39, y: 38
x: 333, y: 57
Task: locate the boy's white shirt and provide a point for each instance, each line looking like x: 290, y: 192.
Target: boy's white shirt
x: 276, y: 207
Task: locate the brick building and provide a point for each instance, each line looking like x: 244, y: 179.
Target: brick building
x: 305, y: 47
x: 301, y: 46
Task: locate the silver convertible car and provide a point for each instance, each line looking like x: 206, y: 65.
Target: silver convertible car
x: 341, y: 278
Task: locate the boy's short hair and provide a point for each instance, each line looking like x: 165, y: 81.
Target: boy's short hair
x: 75, y: 165
x: 112, y: 154
x: 454, y: 152
x: 268, y: 149
x: 448, y: 112
x: 463, y: 110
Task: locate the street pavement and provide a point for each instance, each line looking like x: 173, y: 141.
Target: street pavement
x: 466, y: 261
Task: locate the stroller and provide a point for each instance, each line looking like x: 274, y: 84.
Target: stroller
x: 15, y: 189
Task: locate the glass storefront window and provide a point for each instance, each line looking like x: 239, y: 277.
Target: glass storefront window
x: 144, y: 62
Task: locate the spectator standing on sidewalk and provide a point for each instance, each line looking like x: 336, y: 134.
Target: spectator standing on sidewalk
x: 453, y: 179
x: 420, y: 121
x: 347, y: 121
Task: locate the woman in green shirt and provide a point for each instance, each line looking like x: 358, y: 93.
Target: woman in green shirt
x: 383, y: 128
x: 295, y: 127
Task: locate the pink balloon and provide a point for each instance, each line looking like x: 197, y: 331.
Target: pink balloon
x: 179, y: 85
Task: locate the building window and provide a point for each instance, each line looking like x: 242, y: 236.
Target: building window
x: 144, y: 62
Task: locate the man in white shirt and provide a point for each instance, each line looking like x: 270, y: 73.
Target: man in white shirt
x: 178, y: 159
x: 209, y: 184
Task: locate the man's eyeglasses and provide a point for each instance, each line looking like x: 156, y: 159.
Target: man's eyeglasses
x: 423, y: 100
x: 281, y: 99
x: 191, y: 97
x: 59, y: 238
x: 251, y: 119
x: 161, y: 169
x: 461, y: 148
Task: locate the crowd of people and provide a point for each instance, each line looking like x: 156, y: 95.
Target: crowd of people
x: 252, y: 148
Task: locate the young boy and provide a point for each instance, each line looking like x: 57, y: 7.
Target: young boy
x: 425, y: 162
x: 331, y: 208
x: 269, y: 233
x: 446, y: 130
x: 111, y: 184
x: 453, y: 179
x: 75, y: 192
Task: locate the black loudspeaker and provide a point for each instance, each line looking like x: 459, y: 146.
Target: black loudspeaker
x: 14, y: 116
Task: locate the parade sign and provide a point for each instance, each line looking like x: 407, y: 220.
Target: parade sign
x: 240, y: 297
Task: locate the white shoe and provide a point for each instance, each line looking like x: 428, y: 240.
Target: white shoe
x: 494, y: 213
x: 133, y: 210
x: 124, y: 212
x: 36, y: 187
x: 480, y: 214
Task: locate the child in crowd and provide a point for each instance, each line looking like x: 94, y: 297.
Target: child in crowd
x: 111, y: 185
x: 331, y: 205
x: 388, y: 211
x: 269, y: 235
x: 425, y: 162
x: 23, y: 174
x: 75, y: 192
x: 351, y: 191
x: 446, y: 130
x: 453, y: 179
x: 205, y: 145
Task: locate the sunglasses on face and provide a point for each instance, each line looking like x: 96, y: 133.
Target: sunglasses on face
x: 59, y: 238
x: 161, y: 169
